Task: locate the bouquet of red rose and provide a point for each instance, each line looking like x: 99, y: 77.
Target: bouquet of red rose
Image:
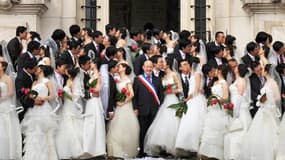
x: 168, y: 89
x: 61, y: 93
x: 229, y: 107
x: 214, y: 100
x: 29, y: 93
x: 122, y: 95
x: 92, y: 85
x: 181, y: 107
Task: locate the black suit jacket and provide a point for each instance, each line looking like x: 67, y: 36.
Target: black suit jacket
x: 112, y: 95
x: 79, y: 41
x: 91, y: 46
x: 184, y: 86
x: 67, y: 58
x: 282, y: 92
x: 143, y: 99
x: 213, y: 62
x: 248, y: 61
x: 23, y: 80
x: 24, y: 58
x: 139, y: 61
x: 209, y: 49
x: 255, y: 86
x: 14, y: 48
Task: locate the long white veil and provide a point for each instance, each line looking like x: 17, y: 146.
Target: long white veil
x: 7, y: 58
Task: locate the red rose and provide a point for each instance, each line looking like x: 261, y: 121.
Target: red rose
x: 102, y: 55
x: 128, y: 93
x: 169, y: 86
x: 226, y: 106
x: 214, y: 101
x: 231, y: 106
x: 134, y: 47
x: 116, y: 80
x: 124, y: 90
x: 26, y: 91
x: 60, y: 92
x: 23, y: 90
x: 91, y: 90
x: 168, y: 91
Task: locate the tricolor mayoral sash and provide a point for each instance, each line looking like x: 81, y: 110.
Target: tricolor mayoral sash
x: 150, y: 87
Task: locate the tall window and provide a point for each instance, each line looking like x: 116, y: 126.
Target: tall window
x: 90, y: 11
x: 200, y: 18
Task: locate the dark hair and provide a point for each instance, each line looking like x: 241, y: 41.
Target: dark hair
x: 46, y: 50
x: 96, y: 34
x: 206, y: 68
x: 74, y: 29
x: 35, y: 35
x: 183, y: 43
x: 20, y: 29
x: 72, y: 71
x: 108, y: 28
x: 33, y: 45
x: 97, y: 61
x: 148, y: 34
x: 217, y: 49
x: 169, y: 62
x: 230, y: 40
x: 83, y: 60
x: 184, y: 34
x: 280, y: 67
x: 156, y: 32
x: 123, y: 31
x: 111, y: 51
x: 197, y: 45
x: 224, y: 70
x: 113, y: 40
x: 267, y: 68
x: 58, y: 35
x: 73, y: 44
x: 277, y: 45
x: 183, y: 60
x: 242, y: 70
x: 1, y: 50
x: 217, y: 34
x: 270, y: 38
x: 154, y: 58
x: 59, y: 62
x: 121, y: 49
x: 4, y: 65
x: 134, y: 33
x: 251, y: 46
x: 30, y: 64
x: 261, y: 37
x: 148, y: 26
x: 112, y: 64
x: 128, y: 68
x: 47, y: 70
x: 88, y: 30
x: 254, y: 65
x: 146, y: 47
x: 232, y: 60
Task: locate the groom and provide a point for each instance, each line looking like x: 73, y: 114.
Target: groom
x: 148, y: 96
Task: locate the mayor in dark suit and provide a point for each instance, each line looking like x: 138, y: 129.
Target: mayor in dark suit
x: 147, y: 99
x: 15, y: 46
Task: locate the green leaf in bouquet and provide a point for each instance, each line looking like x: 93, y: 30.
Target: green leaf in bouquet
x: 93, y: 83
x: 68, y: 96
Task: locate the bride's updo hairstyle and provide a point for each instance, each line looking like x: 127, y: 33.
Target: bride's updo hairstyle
x: 72, y: 71
x: 169, y: 62
x: 224, y: 70
x: 4, y: 65
x: 242, y: 70
x: 267, y: 68
x: 128, y: 68
x: 47, y: 70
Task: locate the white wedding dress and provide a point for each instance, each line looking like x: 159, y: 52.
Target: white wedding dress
x: 215, y: 127
x: 70, y: 131
x: 161, y: 135
x: 260, y: 142
x: 239, y: 125
x: 123, y: 131
x: 39, y: 128
x: 10, y: 131
x: 192, y: 123
x: 94, y: 132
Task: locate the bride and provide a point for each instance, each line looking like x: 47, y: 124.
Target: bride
x: 161, y: 135
x: 10, y: 135
x: 240, y: 94
x: 123, y: 133
x: 38, y: 124
x: 260, y: 142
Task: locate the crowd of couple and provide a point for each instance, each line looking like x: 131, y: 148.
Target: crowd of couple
x: 92, y: 95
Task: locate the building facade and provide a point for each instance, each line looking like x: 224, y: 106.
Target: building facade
x: 241, y: 18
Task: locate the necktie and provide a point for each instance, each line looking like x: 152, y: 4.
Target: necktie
x: 148, y: 79
x: 281, y: 59
x: 186, y: 81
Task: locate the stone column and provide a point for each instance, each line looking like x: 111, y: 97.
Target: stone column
x: 103, y: 14
x: 186, y: 13
x: 68, y: 14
